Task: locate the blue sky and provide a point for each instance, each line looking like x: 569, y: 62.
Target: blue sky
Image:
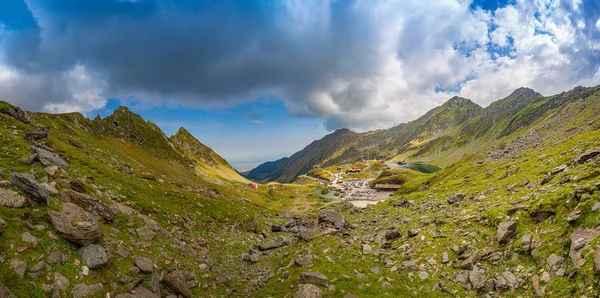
x: 259, y: 80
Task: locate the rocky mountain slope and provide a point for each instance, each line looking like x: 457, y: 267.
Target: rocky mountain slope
x: 440, y: 137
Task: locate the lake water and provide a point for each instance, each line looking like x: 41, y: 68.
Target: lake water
x: 421, y: 167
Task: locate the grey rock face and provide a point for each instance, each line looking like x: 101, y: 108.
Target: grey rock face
x: 93, y: 255
x: 76, y: 225
x: 35, y: 191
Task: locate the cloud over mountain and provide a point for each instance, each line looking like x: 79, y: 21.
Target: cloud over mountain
x: 358, y: 64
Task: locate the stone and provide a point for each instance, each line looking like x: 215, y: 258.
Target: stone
x: 470, y: 260
x: 138, y: 292
x: 155, y: 283
x: 276, y: 228
x: 60, y: 282
x: 272, y: 245
x: 579, y: 239
x: 305, y: 261
x: 251, y: 256
x: 574, y: 216
x: 122, y: 252
x: 308, y: 234
x: 9, y: 198
x: 51, y: 170
x: 455, y: 198
x: 461, y: 276
x: 375, y: 270
x: 51, y: 190
x: 541, y: 215
x: 316, y: 278
x: 2, y: 223
x: 506, y: 281
x: 27, y: 237
x: 48, y: 158
x: 423, y: 274
x: 328, y: 218
x: 538, y: 290
x: 393, y: 234
x: 583, y: 158
x: 526, y: 242
x: 445, y: 258
x: 177, y: 282
x: 5, y: 292
x: 55, y: 258
x: 75, y: 224
x: 366, y: 249
x: 20, y: 267
x: 556, y: 265
x: 478, y: 279
x: 144, y: 264
x: 35, y: 271
x: 89, y: 203
x: 83, y: 290
x: 597, y: 260
x: 35, y: 191
x: 413, y: 232
x: 93, y: 255
x: 36, y: 135
x: 505, y: 230
x: 596, y: 207
x: 308, y: 291
x: 145, y: 233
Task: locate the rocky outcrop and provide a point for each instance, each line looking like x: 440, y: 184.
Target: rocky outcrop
x: 16, y: 113
x: 455, y: 198
x: 90, y: 204
x: 75, y: 224
x: 34, y: 191
x: 585, y: 157
x: 36, y: 135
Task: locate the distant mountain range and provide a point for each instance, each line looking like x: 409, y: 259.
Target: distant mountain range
x: 441, y: 136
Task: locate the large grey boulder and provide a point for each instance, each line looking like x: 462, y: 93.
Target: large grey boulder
x: 48, y: 158
x: 332, y: 219
x: 93, y: 255
x: 308, y: 291
x: 316, y: 278
x: 35, y: 191
x: 9, y: 198
x: 90, y: 204
x: 75, y: 224
x: 505, y: 230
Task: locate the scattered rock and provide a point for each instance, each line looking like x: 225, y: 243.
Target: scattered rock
x: 316, y: 278
x: 48, y: 158
x: 251, y: 256
x: 505, y: 230
x: 526, y: 242
x: 177, y: 282
x: 393, y: 234
x: 36, y: 135
x: 138, y: 292
x: 18, y: 266
x: 366, y: 249
x: 93, y: 255
x: 445, y: 258
x: 455, y: 198
x: 272, y: 245
x: 144, y: 264
x: 122, y: 252
x: 145, y: 233
x: 332, y: 219
x: 541, y: 215
x: 574, y: 216
x: 35, y: 191
x: 583, y: 158
x: 539, y: 291
x: 2, y: 223
x: 305, y: 261
x: 276, y: 228
x: 413, y: 232
x: 9, y: 198
x: 478, y: 279
x: 83, y: 290
x: 580, y: 238
x: 461, y: 276
x: 75, y: 225
x: 56, y: 258
x: 60, y: 282
x: 26, y: 237
x: 423, y: 274
x: 6, y: 293
x: 556, y: 265
x: 308, y: 291
x: 506, y: 281
x: 89, y: 203
x: 596, y: 207
x: 597, y: 260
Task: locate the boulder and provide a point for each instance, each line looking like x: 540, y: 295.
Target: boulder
x: 83, y: 290
x: 315, y: 278
x: 393, y: 234
x: 526, y: 242
x: 505, y: 230
x: 89, y: 203
x: 9, y: 198
x: 93, y: 255
x: 27, y: 237
x: 580, y: 238
x: 478, y: 279
x: 583, y: 158
x: 455, y: 198
x: 75, y: 224
x: 16, y: 113
x: 276, y: 228
x: 48, y: 158
x: 176, y: 280
x: 541, y: 215
x: 272, y: 245
x: 144, y: 264
x: 20, y: 267
x: 305, y: 261
x: 506, y: 281
x: 145, y: 233
x: 36, y: 135
x: 332, y: 219
x: 413, y: 232
x: 308, y: 291
x: 35, y: 191
x: 556, y: 265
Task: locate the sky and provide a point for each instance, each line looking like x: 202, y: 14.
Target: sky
x: 259, y: 80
